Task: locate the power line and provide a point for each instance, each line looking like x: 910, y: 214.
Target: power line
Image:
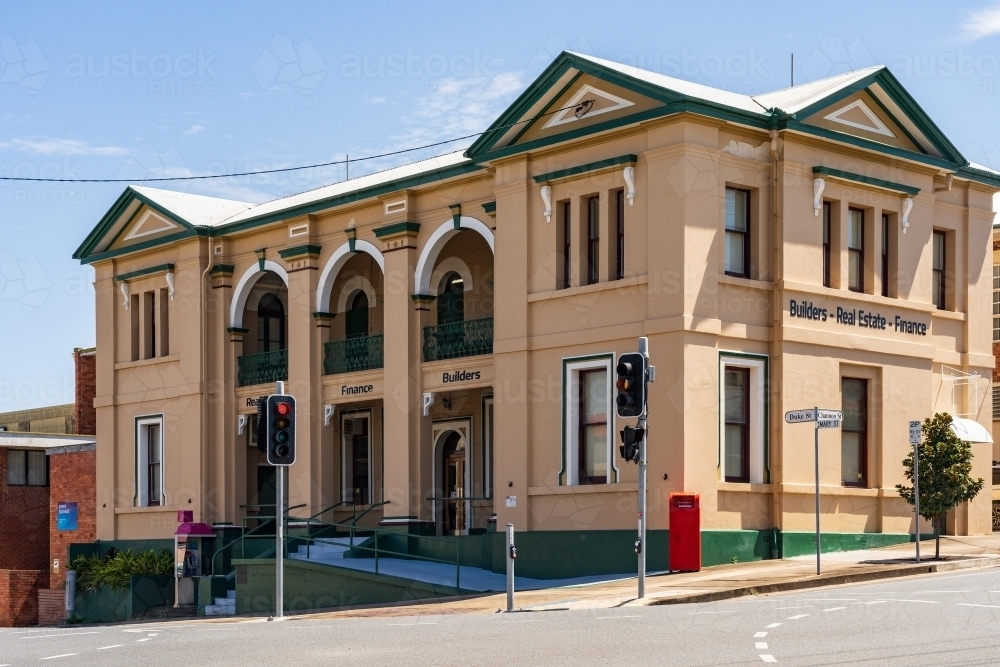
x: 580, y: 106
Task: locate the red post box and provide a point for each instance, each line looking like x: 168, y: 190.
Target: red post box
x: 685, y: 533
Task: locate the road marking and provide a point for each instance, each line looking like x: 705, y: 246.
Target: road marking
x: 835, y: 608
x: 760, y: 646
x: 694, y: 613
x: 768, y: 658
x: 402, y: 624
x: 101, y: 648
x: 144, y: 639
x: 62, y: 634
x: 64, y: 655
x: 797, y: 617
x: 773, y: 625
x: 872, y: 602
x: 967, y: 604
x: 832, y: 600
x: 600, y: 618
x: 921, y: 601
x: 760, y: 635
x: 805, y: 606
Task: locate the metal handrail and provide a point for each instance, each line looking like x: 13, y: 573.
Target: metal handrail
x: 324, y: 511
x: 370, y: 508
x: 267, y: 520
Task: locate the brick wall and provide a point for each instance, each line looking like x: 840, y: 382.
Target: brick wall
x: 85, y: 363
x: 51, y: 605
x: 72, y: 477
x: 19, y: 597
x: 24, y: 525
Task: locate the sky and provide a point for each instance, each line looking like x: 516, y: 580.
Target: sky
x: 142, y: 90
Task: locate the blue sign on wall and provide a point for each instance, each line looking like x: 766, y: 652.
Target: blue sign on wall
x: 66, y: 516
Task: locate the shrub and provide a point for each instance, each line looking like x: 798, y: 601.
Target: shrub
x: 116, y: 568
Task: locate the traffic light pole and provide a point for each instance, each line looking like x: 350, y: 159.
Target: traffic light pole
x: 279, y: 540
x: 644, y: 351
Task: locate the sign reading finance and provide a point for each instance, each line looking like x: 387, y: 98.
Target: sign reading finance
x: 460, y: 376
x: 346, y: 390
x: 854, y: 317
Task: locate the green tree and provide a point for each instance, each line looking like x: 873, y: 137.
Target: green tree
x: 945, y: 467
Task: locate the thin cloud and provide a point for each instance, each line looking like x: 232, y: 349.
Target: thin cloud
x: 62, y: 147
x: 193, y: 130
x: 982, y: 22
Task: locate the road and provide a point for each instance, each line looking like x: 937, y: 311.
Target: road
x: 942, y: 619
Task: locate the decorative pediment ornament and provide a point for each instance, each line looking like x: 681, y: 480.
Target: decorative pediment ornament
x: 124, y: 290
x: 858, y: 115
x: 170, y: 285
x: 149, y: 224
x: 818, y: 185
x: 904, y: 219
x: 629, y: 175
x: 587, y: 103
x: 547, y: 200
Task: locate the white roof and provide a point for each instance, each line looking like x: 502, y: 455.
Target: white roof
x: 199, y: 210
x: 982, y: 167
x: 796, y: 98
x: 43, y: 440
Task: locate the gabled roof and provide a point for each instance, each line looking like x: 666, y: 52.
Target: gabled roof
x: 196, y: 210
x: 794, y: 99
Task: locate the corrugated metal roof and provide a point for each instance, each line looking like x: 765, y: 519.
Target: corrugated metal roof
x: 197, y: 209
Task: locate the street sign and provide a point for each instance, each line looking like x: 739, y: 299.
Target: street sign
x: 914, y: 433
x: 799, y: 416
x: 827, y: 423
x: 836, y: 415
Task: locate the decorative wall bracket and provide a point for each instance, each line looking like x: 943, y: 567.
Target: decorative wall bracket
x: 124, y: 290
x: 630, y: 184
x: 241, y: 423
x: 905, y: 218
x: 818, y: 185
x: 428, y: 402
x: 547, y: 199
x: 328, y: 412
x: 170, y: 285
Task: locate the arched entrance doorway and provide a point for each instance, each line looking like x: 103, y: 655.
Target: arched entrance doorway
x: 452, y: 476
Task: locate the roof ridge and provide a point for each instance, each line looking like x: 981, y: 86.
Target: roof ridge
x: 815, y: 81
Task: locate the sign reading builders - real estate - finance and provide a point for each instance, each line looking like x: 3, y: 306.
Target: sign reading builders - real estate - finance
x: 855, y: 317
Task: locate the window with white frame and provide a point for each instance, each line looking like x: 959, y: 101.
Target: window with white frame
x: 588, y: 421
x: 149, y: 461
x: 742, y: 417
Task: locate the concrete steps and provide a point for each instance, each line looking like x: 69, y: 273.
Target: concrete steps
x: 223, y: 606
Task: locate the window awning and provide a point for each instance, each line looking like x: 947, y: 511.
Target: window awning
x: 970, y: 431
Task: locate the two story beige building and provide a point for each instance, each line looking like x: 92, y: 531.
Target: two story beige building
x: 449, y: 328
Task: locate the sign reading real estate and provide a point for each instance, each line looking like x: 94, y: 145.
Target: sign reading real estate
x: 855, y: 317
x: 66, y: 515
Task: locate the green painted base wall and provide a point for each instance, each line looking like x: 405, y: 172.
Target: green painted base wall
x: 310, y: 587
x: 795, y: 543
x: 107, y: 606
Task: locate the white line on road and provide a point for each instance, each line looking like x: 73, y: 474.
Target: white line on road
x: 760, y: 646
x: 146, y: 639
x: 64, y: 655
x: 694, y: 613
x: 773, y: 625
x: 804, y: 606
x: 64, y: 634
x: 966, y: 604
x: 830, y: 609
x: 872, y: 602
x: 402, y: 624
x: 797, y: 617
x: 760, y: 635
x: 600, y: 618
x: 101, y: 648
x: 768, y: 658
x: 921, y: 601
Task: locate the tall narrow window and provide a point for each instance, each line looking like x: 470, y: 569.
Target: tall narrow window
x: 940, y: 275
x: 153, y: 463
x: 149, y: 324
x: 737, y: 424
x: 566, y: 267
x: 996, y: 302
x: 164, y: 323
x: 593, y: 425
x: 451, y: 302
x: 620, y: 231
x: 827, y: 214
x: 885, y: 254
x: 356, y: 320
x: 854, y: 432
x: 856, y: 251
x: 270, y: 324
x: 593, y: 239
x: 737, y: 233
x: 135, y: 330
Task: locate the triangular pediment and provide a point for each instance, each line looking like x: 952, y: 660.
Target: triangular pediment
x: 145, y: 224
x: 862, y: 115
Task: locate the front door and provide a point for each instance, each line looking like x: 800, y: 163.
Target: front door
x: 357, y: 454
x: 453, y: 478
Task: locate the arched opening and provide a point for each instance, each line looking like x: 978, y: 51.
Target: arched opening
x: 265, y: 342
x: 452, y: 471
x: 356, y: 301
x: 451, y: 300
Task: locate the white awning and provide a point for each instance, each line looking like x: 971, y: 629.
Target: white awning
x: 970, y: 431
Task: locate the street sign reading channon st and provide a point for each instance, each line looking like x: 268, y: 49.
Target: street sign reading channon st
x: 836, y: 415
x: 915, y: 433
x: 797, y: 416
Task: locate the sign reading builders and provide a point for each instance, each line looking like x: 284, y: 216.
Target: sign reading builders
x: 855, y: 317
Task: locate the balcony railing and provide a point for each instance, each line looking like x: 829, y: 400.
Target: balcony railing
x: 353, y: 354
x: 462, y: 339
x: 262, y: 368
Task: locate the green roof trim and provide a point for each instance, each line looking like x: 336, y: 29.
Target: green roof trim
x: 320, y: 315
x: 423, y: 298
x: 875, y: 146
x: 397, y: 228
x: 584, y: 168
x: 490, y: 207
x: 979, y: 176
x: 237, y: 330
x: 109, y: 218
x: 159, y: 268
x: 222, y: 270
x: 866, y: 180
x: 298, y: 251
x: 163, y: 240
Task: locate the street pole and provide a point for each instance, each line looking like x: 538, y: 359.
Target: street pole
x: 816, y: 438
x: 279, y: 541
x: 644, y: 351
x: 916, y: 494
x: 510, y: 567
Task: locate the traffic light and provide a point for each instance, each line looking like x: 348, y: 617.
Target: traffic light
x: 280, y: 414
x: 631, y: 438
x: 631, y: 385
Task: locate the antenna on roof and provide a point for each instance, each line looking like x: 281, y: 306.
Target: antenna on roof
x: 792, y: 70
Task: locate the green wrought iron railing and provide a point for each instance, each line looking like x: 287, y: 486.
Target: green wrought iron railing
x: 353, y: 354
x: 262, y: 368
x: 461, y: 339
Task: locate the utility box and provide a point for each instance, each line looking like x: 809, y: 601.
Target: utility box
x: 684, y: 552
